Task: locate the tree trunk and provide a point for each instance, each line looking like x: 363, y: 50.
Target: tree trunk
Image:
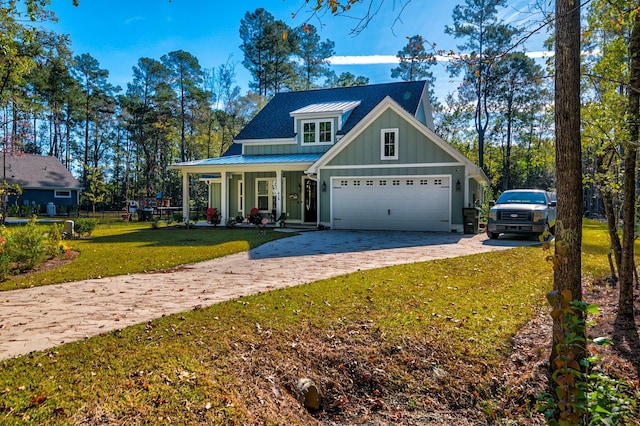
x: 603, y: 173
x: 625, y: 302
x: 567, y: 274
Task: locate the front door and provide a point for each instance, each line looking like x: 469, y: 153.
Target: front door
x: 310, y: 201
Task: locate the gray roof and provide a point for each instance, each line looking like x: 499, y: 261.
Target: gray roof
x: 274, y: 121
x: 36, y: 172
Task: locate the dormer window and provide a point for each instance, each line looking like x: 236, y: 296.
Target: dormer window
x: 317, y: 132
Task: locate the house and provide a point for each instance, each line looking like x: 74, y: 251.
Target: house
x: 362, y: 157
x: 43, y: 180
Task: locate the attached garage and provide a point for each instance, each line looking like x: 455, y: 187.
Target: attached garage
x: 406, y: 203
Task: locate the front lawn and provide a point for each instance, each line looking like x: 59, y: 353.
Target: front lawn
x: 395, y: 345
x: 126, y: 248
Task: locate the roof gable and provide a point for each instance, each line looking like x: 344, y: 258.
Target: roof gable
x: 276, y: 121
x: 37, y: 172
x: 389, y: 103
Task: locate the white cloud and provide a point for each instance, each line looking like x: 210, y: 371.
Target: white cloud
x: 392, y: 59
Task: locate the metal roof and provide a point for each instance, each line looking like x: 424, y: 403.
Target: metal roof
x: 252, y: 159
x: 340, y: 107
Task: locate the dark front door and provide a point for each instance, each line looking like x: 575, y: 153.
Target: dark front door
x: 310, y: 200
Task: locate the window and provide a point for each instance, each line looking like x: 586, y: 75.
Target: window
x: 263, y: 195
x: 61, y: 193
x: 317, y: 132
x: 241, y: 198
x: 389, y: 144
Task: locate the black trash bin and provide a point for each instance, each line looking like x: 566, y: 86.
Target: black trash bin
x: 145, y: 215
x: 471, y: 216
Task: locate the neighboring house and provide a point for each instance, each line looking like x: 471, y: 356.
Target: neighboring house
x: 362, y: 157
x: 43, y: 180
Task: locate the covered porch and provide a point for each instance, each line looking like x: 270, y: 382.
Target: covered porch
x: 274, y: 185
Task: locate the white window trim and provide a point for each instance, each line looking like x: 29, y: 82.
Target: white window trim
x: 317, y: 132
x: 241, y: 197
x: 56, y: 193
x: 382, y: 133
x: 272, y: 203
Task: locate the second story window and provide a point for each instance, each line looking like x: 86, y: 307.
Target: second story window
x: 317, y: 132
x: 389, y: 144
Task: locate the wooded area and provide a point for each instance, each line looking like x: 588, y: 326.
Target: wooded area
x: 120, y: 140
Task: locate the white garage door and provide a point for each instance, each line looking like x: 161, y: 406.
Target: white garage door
x: 400, y: 204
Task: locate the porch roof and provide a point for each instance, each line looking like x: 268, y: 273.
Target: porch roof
x: 239, y: 160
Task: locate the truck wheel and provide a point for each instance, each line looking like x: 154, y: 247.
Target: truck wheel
x: 492, y: 235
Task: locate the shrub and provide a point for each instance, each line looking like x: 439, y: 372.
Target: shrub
x: 5, y: 261
x: 53, y: 241
x: 85, y: 225
x: 25, y: 246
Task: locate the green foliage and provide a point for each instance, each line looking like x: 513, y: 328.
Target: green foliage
x: 25, y: 246
x: 581, y: 395
x: 177, y: 217
x: 85, y: 225
x: 53, y: 241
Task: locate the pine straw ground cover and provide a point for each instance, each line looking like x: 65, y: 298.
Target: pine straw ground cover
x: 426, y: 343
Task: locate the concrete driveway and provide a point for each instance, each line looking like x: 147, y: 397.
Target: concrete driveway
x: 44, y: 317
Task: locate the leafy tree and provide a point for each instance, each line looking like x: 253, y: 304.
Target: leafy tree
x: 19, y: 40
x: 98, y: 99
x: 518, y: 97
x: 314, y: 54
x: 487, y: 37
x: 267, y: 50
x: 146, y: 106
x: 253, y: 30
x: 627, y: 267
x: 185, y: 78
x: 346, y: 79
x: 415, y: 61
x: 96, y: 190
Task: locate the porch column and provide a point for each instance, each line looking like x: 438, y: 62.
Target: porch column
x: 185, y: 195
x: 278, y: 193
x: 224, y: 197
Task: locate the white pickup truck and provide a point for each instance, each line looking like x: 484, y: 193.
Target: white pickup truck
x: 522, y: 211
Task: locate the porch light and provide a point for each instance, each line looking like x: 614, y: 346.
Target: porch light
x: 458, y: 185
x: 324, y: 186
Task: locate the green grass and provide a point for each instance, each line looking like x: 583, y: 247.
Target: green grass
x: 125, y: 248
x: 366, y: 335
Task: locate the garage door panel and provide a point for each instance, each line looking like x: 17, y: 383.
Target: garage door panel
x: 408, y: 204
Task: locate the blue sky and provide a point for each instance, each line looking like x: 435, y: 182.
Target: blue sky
x: 118, y: 33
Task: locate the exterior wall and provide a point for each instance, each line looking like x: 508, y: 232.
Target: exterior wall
x: 215, y: 195
x: 41, y: 197
x: 413, y: 146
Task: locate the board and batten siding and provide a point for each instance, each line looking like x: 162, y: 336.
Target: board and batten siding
x: 413, y: 145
